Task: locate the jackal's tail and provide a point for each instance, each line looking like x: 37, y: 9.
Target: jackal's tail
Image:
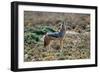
x: 46, y: 41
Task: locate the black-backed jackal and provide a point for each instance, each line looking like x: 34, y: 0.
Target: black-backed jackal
x: 60, y: 35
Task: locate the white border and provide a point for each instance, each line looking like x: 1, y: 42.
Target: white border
x: 22, y: 64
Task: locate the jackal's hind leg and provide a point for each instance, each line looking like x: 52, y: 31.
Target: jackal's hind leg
x: 61, y: 45
x: 49, y: 46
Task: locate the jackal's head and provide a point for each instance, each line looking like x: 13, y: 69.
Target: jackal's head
x: 62, y: 26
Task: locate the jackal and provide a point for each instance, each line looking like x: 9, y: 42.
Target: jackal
x: 60, y: 35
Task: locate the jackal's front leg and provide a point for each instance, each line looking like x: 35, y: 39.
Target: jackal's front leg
x: 61, y: 45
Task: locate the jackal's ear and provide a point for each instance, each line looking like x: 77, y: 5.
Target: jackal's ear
x: 59, y: 25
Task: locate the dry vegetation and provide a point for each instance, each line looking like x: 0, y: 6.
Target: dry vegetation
x: 76, y: 43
